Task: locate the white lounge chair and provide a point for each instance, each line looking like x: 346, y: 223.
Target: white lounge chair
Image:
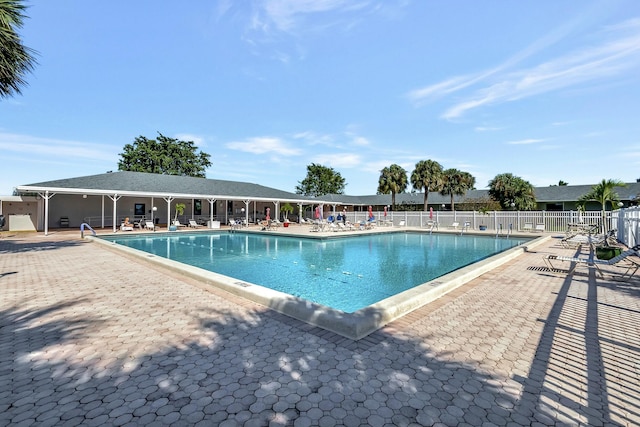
x: 455, y: 225
x: 627, y: 260
x: 126, y: 227
x: 194, y: 224
x: 177, y: 224
x: 540, y: 227
x: 528, y: 226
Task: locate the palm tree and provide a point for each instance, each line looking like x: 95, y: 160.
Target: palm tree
x: 427, y: 176
x: 393, y: 179
x: 16, y: 60
x: 456, y: 183
x: 602, y: 193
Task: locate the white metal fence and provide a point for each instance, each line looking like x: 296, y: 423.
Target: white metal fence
x: 553, y: 221
x: 627, y: 221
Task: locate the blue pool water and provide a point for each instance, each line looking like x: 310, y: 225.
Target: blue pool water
x: 347, y: 274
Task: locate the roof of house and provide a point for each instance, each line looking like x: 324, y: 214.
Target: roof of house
x: 123, y: 182
x: 551, y: 194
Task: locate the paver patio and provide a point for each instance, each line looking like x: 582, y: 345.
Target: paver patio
x: 89, y: 336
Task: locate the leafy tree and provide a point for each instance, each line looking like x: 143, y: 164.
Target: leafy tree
x: 393, y: 179
x: 507, y: 189
x: 602, y: 193
x: 167, y: 156
x: 321, y: 180
x: 16, y: 60
x: 427, y: 176
x: 484, y: 203
x: 456, y: 183
x: 562, y: 183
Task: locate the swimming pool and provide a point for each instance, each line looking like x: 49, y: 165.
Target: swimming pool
x: 346, y: 274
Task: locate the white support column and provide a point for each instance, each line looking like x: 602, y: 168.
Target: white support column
x: 276, y: 210
x: 211, y: 206
x: 46, y: 196
x: 299, y: 213
x: 115, y: 199
x: 102, y: 209
x: 169, y: 200
x: 246, y: 211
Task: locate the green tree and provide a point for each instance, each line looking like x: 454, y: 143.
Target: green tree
x: 16, y: 60
x: 393, y: 179
x: 456, y: 183
x: 427, y: 176
x: 166, y: 156
x: 320, y: 180
x: 602, y: 193
x: 507, y: 189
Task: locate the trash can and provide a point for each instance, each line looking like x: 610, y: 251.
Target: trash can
x: 157, y: 220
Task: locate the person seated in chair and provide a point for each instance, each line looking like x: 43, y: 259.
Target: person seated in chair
x: 126, y: 225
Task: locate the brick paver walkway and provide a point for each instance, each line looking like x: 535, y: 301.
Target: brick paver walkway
x: 91, y: 337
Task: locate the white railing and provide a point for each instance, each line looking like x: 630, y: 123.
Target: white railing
x: 627, y: 221
x: 554, y: 221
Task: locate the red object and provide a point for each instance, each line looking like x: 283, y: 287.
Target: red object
x: 268, y: 214
x: 317, y: 212
x: 385, y: 211
x: 430, y: 213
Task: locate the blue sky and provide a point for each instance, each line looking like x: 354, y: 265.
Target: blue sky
x: 546, y: 90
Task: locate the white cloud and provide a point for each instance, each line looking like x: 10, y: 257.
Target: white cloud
x: 313, y: 138
x: 486, y: 129
x: 525, y: 141
x: 197, y: 140
x: 57, y: 148
x: 265, y: 144
x: 620, y: 52
x: 339, y: 160
x: 290, y: 15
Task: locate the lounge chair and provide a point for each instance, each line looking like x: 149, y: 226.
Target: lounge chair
x: 177, y: 224
x: 233, y: 224
x: 627, y: 260
x: 126, y: 227
x: 194, y: 224
x: 402, y: 223
x: 540, y: 227
x: 149, y: 225
x: 346, y: 226
x: 528, y: 226
x: 455, y: 225
x: 588, y: 239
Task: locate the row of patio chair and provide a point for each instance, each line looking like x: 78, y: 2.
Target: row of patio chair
x: 628, y: 263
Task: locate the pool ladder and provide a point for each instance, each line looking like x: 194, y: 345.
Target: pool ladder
x: 465, y: 227
x: 500, y: 230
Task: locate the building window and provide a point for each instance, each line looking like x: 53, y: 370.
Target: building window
x: 197, y: 207
x: 554, y: 206
x: 138, y: 209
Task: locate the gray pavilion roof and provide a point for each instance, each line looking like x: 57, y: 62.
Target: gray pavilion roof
x: 124, y: 181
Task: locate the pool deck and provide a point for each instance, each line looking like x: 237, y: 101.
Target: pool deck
x: 92, y: 336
